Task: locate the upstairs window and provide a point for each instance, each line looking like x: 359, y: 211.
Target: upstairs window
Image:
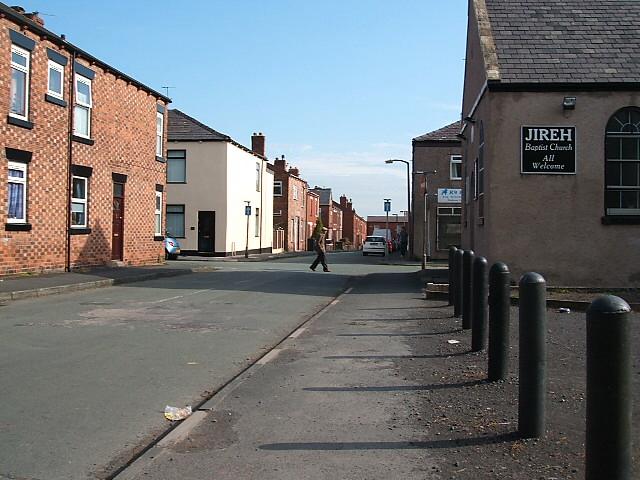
x: 17, y: 212
x: 455, y: 167
x: 82, y: 108
x: 622, y: 160
x: 295, y: 192
x: 20, y: 60
x: 55, y: 83
x: 176, y: 166
x: 159, y: 133
x: 258, y: 171
x: 277, y: 188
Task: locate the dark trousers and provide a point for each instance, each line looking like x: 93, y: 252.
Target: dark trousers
x: 320, y: 259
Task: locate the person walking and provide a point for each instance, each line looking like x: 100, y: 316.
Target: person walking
x: 320, y: 249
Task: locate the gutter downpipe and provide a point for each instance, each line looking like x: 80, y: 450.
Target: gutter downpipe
x: 67, y: 266
x: 262, y: 174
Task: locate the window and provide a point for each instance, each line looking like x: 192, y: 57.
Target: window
x: 17, y: 193
x: 82, y: 109
x: 448, y: 227
x: 257, y: 225
x: 55, y: 85
x: 79, y: 202
x: 175, y: 220
x: 176, y: 166
x: 258, y: 171
x: 159, y: 133
x: 295, y: 192
x: 20, y: 59
x: 622, y: 160
x: 456, y: 167
x: 158, y: 214
x: 277, y: 188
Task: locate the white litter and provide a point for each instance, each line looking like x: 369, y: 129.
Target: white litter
x: 453, y: 342
x: 175, y: 413
x: 564, y: 310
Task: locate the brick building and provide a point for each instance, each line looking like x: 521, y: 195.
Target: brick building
x: 437, y: 197
x: 313, y: 213
x: 82, y: 147
x: 354, y: 227
x: 379, y: 222
x: 289, y: 205
x: 330, y: 213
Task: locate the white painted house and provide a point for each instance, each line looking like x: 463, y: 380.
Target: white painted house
x: 210, y: 180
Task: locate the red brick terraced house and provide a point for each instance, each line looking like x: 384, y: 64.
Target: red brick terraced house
x: 354, y: 227
x: 330, y: 213
x: 289, y: 205
x: 82, y: 156
x: 313, y: 214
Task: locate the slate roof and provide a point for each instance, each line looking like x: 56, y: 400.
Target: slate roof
x: 182, y: 127
x: 565, y: 41
x: 324, y: 193
x: 444, y: 134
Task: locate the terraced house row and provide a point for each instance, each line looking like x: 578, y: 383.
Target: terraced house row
x: 82, y: 155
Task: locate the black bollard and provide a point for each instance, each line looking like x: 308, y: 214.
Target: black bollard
x: 452, y: 278
x: 457, y: 273
x: 533, y: 355
x: 467, y: 288
x: 608, y: 442
x: 499, y: 303
x: 480, y: 299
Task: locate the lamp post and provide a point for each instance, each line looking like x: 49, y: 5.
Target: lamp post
x: 426, y: 227
x: 393, y: 160
x: 247, y: 213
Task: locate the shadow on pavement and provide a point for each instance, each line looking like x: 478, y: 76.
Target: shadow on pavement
x: 397, y: 388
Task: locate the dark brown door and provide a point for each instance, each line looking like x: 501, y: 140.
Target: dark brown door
x: 206, y: 231
x: 117, y: 235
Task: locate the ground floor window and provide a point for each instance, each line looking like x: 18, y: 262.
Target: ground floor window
x: 448, y: 227
x: 17, y: 212
x: 158, y: 214
x: 175, y: 221
x: 79, y: 202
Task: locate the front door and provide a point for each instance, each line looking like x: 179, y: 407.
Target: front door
x: 117, y: 230
x: 206, y: 231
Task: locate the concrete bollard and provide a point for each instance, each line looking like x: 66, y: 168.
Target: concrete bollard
x: 480, y: 299
x: 467, y: 288
x: 457, y: 272
x: 452, y: 277
x: 533, y: 356
x: 499, y: 304
x: 608, y: 442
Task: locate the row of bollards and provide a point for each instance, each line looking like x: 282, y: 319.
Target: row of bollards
x: 482, y: 299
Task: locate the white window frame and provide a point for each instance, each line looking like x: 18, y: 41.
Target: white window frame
x: 22, y: 167
x: 157, y: 227
x: 159, y: 133
x: 87, y: 106
x: 277, y: 183
x: 455, y: 160
x: 24, y: 69
x: 295, y: 192
x: 58, y: 68
x: 82, y: 201
x: 257, y: 222
x: 258, y: 175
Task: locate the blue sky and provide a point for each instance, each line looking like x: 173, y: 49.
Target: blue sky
x: 336, y: 86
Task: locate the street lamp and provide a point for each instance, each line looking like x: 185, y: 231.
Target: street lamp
x: 426, y: 227
x: 393, y: 160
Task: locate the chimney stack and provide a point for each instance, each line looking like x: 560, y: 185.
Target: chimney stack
x: 294, y: 171
x: 343, y: 201
x: 35, y: 17
x: 258, y: 143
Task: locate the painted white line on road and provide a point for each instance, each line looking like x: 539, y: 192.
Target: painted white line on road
x: 348, y: 290
x: 269, y: 356
x: 297, y: 333
x: 180, y: 296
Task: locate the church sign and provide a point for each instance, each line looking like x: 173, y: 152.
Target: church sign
x: 548, y: 150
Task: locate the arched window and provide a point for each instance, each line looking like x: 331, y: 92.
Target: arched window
x: 622, y: 160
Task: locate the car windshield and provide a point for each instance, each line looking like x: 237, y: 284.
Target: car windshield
x: 374, y: 239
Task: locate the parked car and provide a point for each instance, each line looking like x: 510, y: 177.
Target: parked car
x: 374, y: 244
x: 171, y: 247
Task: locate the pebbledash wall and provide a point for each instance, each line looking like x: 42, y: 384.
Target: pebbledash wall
x: 126, y: 121
x: 575, y: 223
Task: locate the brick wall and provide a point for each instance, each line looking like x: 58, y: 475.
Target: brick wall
x: 123, y: 128
x: 293, y: 210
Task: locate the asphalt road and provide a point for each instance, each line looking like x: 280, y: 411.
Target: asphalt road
x: 86, y: 375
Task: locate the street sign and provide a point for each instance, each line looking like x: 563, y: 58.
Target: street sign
x: 247, y: 210
x: 387, y: 206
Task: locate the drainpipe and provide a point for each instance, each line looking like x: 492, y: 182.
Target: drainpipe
x: 67, y: 266
x: 262, y: 172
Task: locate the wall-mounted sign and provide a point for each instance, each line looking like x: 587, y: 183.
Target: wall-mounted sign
x: 449, y: 195
x: 548, y: 150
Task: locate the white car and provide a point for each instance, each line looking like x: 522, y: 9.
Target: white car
x: 374, y: 244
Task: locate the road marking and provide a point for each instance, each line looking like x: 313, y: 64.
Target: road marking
x: 181, y: 296
x: 348, y: 290
x: 269, y: 356
x: 297, y: 333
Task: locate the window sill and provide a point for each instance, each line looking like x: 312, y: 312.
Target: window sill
x: 79, y: 231
x: 158, y: 238
x: 55, y: 100
x: 620, y: 220
x: 160, y: 159
x: 19, y: 123
x: 176, y: 183
x: 17, y: 227
x: 86, y: 141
